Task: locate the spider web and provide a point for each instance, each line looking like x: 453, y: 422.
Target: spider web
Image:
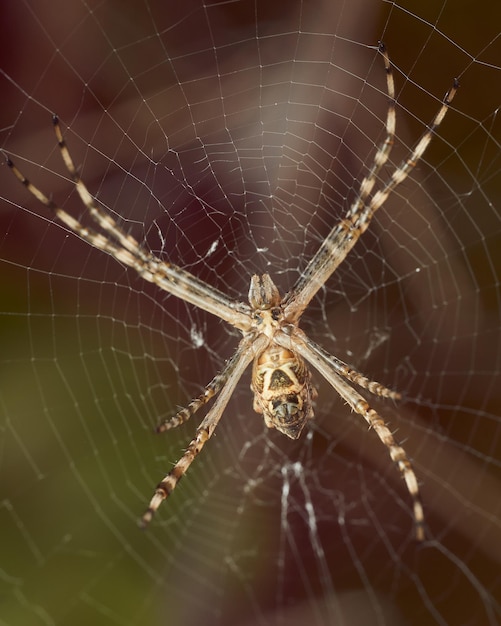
x: 229, y: 137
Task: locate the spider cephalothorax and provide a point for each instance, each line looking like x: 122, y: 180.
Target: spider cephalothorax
x: 271, y: 337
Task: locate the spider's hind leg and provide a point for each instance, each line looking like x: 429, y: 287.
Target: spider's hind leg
x: 333, y: 375
x: 184, y: 414
x: 229, y: 378
x: 211, y: 390
x: 348, y: 372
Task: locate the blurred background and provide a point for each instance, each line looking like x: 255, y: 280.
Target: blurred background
x: 228, y: 138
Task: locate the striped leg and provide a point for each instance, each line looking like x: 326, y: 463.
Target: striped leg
x: 246, y: 352
x: 375, y: 421
x: 211, y: 390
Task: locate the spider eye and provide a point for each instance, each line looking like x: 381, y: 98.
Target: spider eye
x: 276, y: 313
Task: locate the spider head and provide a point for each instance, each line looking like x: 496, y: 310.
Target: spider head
x: 263, y: 293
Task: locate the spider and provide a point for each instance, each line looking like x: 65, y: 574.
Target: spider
x: 271, y: 337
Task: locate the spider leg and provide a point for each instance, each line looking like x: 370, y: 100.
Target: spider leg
x: 401, y: 173
x: 375, y: 421
x: 103, y: 219
x: 384, y: 148
x: 344, y: 235
x: 346, y: 371
x: 87, y: 234
x: 129, y: 251
x: 171, y: 274
x: 207, y: 394
x: 246, y: 352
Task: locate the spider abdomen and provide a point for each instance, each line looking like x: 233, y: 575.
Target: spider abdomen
x: 283, y: 392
